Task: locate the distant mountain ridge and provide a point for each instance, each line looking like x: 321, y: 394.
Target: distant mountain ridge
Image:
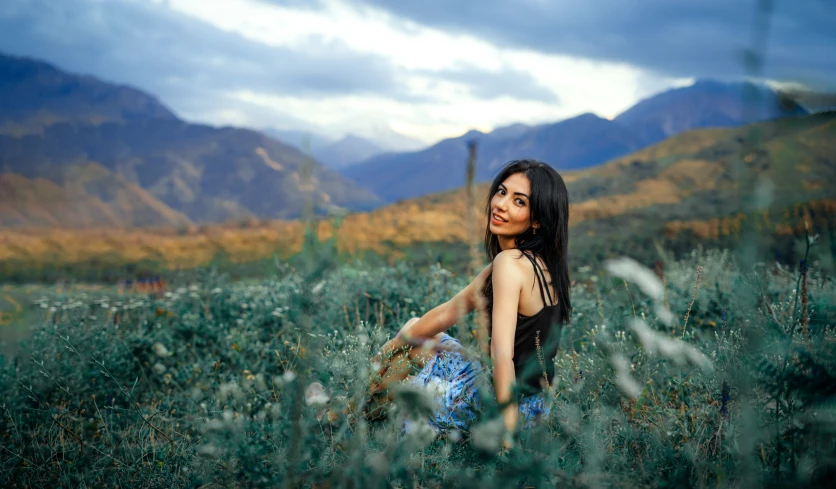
x: 579, y: 142
x: 706, y: 103
x: 78, y: 151
x: 347, y: 151
x: 695, y: 188
x: 339, y: 153
x: 38, y: 93
x: 83, y: 139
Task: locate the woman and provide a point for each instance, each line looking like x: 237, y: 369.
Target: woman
x: 526, y: 290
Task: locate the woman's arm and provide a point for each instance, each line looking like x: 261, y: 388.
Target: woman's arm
x: 442, y: 317
x: 430, y: 324
x: 507, y: 284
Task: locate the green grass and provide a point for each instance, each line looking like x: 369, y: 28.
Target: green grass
x: 205, y: 386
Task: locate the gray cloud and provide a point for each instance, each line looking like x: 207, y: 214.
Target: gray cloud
x: 485, y: 84
x: 192, y: 65
x: 705, y: 38
x: 176, y: 57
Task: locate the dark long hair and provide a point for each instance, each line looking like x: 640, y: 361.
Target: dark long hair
x: 549, y: 204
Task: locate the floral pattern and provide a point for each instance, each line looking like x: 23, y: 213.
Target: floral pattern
x: 451, y: 379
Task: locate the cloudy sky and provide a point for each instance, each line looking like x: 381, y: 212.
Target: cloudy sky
x: 428, y: 69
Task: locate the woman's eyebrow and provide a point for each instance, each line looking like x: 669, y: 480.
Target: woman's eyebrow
x: 502, y: 185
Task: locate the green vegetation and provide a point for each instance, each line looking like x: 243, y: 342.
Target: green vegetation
x: 211, y: 384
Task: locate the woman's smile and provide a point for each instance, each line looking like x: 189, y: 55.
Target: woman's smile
x: 495, y: 219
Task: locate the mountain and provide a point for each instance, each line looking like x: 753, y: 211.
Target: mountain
x: 706, y: 103
x: 349, y: 149
x: 89, y: 196
x: 35, y: 94
x: 346, y: 151
x: 76, y: 143
x: 697, y: 187
x: 305, y: 141
x: 579, y: 142
x: 380, y: 133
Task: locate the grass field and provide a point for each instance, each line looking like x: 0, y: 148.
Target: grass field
x: 211, y: 382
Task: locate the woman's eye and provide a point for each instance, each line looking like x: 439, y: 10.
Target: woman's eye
x: 520, y: 202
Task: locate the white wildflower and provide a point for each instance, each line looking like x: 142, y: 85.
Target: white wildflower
x: 623, y: 379
x: 161, y: 350
x: 315, y: 395
x: 664, y: 314
x: 209, y: 450
x: 228, y: 415
x: 487, y: 436
x: 378, y: 463
x: 632, y: 271
x: 420, y: 432
x: 680, y: 352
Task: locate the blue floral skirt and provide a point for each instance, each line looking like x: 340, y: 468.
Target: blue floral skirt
x: 452, y: 381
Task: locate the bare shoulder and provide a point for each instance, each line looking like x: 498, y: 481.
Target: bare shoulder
x: 508, y: 257
x: 508, y: 264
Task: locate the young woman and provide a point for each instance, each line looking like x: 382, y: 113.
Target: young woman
x: 526, y: 293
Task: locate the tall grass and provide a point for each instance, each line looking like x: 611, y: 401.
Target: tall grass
x: 215, y: 384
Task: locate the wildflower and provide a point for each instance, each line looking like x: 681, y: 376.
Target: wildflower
x: 378, y: 463
x: 487, y: 436
x: 161, y: 350
x: 632, y: 271
x: 288, y: 376
x: 315, y: 395
x: 677, y: 350
x: 209, y: 450
x: 623, y: 379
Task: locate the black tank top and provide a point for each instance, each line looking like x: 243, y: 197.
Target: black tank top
x: 545, y: 325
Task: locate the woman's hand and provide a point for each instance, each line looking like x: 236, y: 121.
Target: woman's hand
x: 507, y: 445
x: 382, y: 361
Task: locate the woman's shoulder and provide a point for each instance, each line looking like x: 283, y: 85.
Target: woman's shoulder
x: 508, y: 256
x: 508, y: 262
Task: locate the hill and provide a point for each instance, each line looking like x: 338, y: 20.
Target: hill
x: 57, y: 127
x: 580, y: 142
x: 346, y: 151
x: 703, y: 186
x: 706, y: 103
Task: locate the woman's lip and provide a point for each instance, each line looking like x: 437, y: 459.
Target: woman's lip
x: 495, y: 220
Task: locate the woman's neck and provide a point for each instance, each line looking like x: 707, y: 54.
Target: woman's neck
x: 507, y: 242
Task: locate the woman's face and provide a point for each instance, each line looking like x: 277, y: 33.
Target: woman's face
x: 510, y: 211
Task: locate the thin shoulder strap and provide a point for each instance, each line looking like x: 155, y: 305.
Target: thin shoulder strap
x: 541, y: 280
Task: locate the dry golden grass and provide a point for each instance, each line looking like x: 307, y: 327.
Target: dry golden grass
x: 433, y: 218
x: 673, y: 183
x: 41, y: 202
x: 814, y: 213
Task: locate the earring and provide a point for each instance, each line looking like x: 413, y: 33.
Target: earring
x: 535, y: 230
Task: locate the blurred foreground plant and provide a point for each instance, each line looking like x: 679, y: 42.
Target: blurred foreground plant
x: 246, y: 384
